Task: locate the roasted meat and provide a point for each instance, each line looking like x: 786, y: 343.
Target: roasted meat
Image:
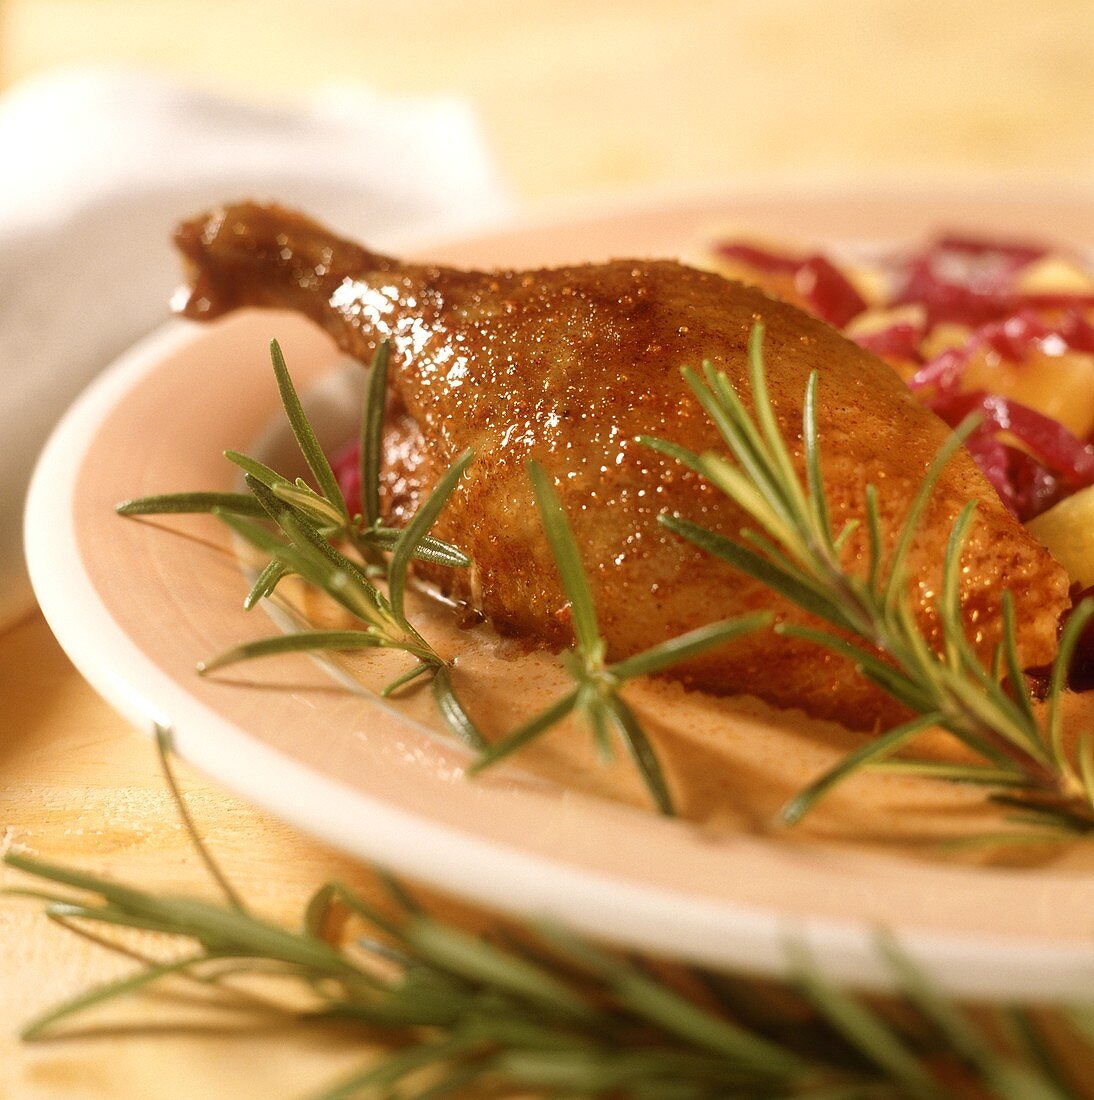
x: 570, y: 366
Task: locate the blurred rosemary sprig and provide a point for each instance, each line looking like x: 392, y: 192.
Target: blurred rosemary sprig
x: 795, y: 551
x: 539, y: 1011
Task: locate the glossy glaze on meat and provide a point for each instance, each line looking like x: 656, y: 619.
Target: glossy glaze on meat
x: 569, y: 366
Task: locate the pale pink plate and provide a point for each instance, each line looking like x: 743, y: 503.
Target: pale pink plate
x: 136, y: 605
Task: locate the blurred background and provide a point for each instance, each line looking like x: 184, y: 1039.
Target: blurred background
x: 574, y: 95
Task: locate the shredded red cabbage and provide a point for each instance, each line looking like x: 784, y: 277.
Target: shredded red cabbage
x: 972, y: 282
x: 828, y: 291
x: 1056, y: 465
x: 773, y: 263
x: 1012, y: 338
x: 898, y: 341
x: 830, y: 294
x: 1012, y: 253
x: 347, y: 470
x: 1035, y: 487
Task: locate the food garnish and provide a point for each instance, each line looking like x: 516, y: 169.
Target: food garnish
x: 309, y: 522
x: 596, y: 696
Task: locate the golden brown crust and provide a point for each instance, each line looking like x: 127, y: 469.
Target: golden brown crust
x: 569, y: 367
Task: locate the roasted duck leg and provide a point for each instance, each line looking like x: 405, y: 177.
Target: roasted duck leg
x: 569, y: 367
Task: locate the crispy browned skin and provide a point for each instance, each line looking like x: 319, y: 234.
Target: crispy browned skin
x: 569, y: 367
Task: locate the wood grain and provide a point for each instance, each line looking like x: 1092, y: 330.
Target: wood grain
x: 79, y: 786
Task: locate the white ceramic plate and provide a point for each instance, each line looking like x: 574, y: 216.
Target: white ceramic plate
x: 135, y: 604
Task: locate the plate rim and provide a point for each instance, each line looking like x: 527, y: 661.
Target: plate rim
x: 520, y: 883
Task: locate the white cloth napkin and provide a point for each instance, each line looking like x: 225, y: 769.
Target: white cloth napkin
x: 98, y: 166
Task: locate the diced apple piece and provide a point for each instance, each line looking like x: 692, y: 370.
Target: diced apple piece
x: 876, y: 320
x: 1067, y: 529
x: 944, y: 336
x: 1055, y: 275
x: 871, y: 282
x: 777, y: 283
x: 1059, y: 386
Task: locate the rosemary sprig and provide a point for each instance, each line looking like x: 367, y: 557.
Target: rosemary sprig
x: 308, y: 523
x: 796, y: 552
x: 326, y: 509
x: 539, y: 1011
x: 596, y: 693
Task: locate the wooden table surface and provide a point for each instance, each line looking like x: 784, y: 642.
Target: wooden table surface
x: 573, y: 97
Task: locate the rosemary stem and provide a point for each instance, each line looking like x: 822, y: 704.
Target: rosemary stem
x: 872, y: 624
